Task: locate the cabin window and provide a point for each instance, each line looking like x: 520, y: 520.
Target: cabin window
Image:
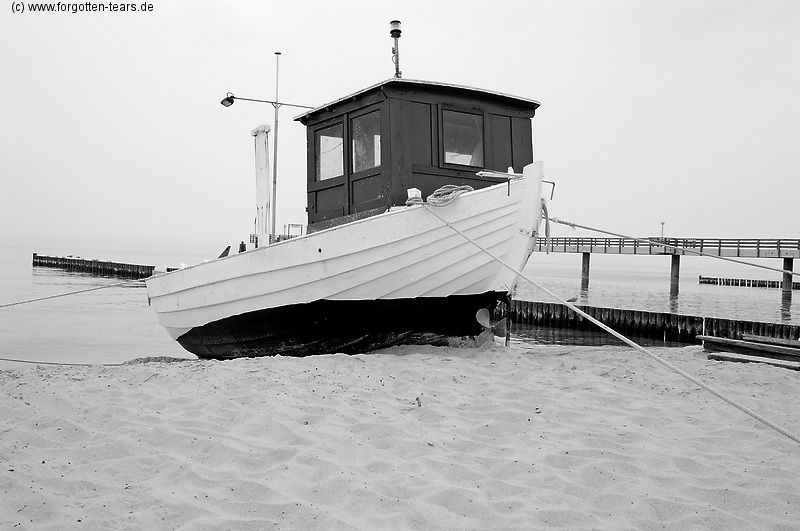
x: 365, y: 132
x: 329, y: 145
x: 463, y: 138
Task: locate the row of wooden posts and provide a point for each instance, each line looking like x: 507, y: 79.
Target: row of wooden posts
x: 636, y: 323
x: 94, y: 267
x: 745, y: 282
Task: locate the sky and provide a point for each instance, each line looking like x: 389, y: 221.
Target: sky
x: 681, y: 111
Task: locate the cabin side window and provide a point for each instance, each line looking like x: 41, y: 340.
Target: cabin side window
x: 462, y: 138
x: 329, y: 145
x: 365, y: 133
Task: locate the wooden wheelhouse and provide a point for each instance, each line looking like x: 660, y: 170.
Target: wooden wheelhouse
x: 366, y: 150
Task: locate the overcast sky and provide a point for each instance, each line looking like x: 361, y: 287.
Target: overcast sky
x: 683, y: 111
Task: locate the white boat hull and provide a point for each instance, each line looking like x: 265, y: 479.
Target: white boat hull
x: 353, y: 282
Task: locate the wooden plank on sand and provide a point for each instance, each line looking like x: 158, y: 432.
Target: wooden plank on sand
x: 772, y: 341
x: 717, y: 344
x: 744, y: 358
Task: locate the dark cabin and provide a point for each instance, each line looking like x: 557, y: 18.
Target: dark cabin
x: 402, y: 134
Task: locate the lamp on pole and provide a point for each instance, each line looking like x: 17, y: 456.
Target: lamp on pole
x: 662, y: 228
x: 228, y: 100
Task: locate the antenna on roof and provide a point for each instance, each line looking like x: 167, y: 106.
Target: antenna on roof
x: 395, y: 31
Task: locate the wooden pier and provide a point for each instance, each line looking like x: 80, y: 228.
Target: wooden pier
x: 745, y: 282
x: 93, y: 267
x: 786, y: 249
x: 729, y: 248
x: 668, y: 327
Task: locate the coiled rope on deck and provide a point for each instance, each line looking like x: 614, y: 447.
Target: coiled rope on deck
x: 629, y: 342
x: 442, y: 196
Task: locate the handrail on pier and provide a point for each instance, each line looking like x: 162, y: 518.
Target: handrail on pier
x: 744, y: 248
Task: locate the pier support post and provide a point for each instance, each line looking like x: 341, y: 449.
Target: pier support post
x: 675, y: 273
x: 788, y: 265
x: 585, y: 270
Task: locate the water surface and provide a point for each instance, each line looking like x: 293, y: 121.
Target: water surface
x: 115, y: 324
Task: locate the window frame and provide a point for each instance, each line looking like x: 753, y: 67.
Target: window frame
x: 384, y: 133
x: 484, y: 137
x: 317, y: 130
x: 351, y: 117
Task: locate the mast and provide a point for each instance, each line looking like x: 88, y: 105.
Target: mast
x: 262, y: 185
x: 275, y: 150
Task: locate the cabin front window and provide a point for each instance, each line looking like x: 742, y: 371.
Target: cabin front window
x: 329, y: 145
x: 365, y: 133
x: 463, y: 138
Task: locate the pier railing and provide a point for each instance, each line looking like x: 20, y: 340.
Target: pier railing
x: 739, y: 248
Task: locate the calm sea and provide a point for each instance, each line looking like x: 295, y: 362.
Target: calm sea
x: 115, y: 324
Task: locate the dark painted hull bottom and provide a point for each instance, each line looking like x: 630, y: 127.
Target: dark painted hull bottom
x: 351, y: 327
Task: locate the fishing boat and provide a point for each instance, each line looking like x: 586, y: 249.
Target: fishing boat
x: 416, y: 221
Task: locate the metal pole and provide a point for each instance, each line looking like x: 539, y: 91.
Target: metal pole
x: 396, y: 51
x: 275, y: 151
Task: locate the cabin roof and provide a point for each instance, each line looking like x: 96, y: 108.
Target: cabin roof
x: 430, y: 86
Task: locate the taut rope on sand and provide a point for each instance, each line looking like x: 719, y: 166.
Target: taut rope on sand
x: 629, y: 342
x: 62, y: 363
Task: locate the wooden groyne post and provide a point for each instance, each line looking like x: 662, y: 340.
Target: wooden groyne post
x: 748, y: 282
x: 93, y: 267
x: 642, y: 324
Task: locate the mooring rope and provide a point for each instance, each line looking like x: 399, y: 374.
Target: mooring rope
x: 546, y: 227
x: 623, y: 338
x: 6, y: 305
x: 664, y: 244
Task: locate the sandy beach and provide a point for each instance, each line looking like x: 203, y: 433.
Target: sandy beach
x: 406, y: 438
